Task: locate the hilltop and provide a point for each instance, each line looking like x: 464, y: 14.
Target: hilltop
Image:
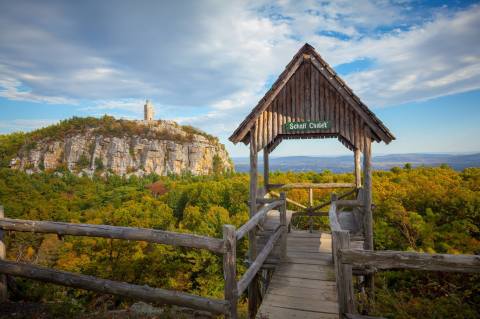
x: 99, y: 145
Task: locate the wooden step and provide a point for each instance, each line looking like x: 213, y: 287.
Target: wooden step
x: 301, y: 282
x: 299, y: 303
x: 268, y: 312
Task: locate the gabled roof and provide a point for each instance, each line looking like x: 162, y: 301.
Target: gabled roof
x: 307, y: 54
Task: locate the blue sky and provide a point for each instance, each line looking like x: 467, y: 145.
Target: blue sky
x: 416, y: 64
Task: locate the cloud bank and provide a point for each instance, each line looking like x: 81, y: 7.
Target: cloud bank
x: 208, y: 62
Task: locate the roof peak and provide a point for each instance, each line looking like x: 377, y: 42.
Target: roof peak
x: 380, y: 132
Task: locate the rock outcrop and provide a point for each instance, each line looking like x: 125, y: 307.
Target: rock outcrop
x: 161, y: 147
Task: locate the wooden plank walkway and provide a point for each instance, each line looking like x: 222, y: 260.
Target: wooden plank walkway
x: 303, y: 284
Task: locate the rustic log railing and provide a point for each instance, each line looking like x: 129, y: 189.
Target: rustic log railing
x: 311, y: 185
x: 387, y: 259
x: 124, y: 289
x: 311, y: 211
x: 278, y: 234
x: 343, y: 273
x: 255, y: 220
x: 328, y: 202
x: 225, y: 246
x: 108, y: 286
x: 290, y: 201
x: 346, y: 258
x: 114, y: 232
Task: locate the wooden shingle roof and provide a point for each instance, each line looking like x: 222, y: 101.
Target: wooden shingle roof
x: 310, y: 90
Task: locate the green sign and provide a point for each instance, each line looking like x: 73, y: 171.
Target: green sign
x: 306, y: 126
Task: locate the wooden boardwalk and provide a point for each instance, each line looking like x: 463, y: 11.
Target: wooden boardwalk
x: 303, y: 284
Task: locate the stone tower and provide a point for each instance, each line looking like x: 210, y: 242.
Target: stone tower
x: 148, y: 111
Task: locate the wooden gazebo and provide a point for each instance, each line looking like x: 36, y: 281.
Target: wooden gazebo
x: 309, y: 100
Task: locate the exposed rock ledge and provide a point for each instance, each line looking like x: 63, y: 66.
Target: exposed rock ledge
x: 161, y: 147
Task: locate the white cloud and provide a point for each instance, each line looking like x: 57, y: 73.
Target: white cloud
x: 132, y: 105
x: 11, y: 88
x: 217, y: 56
x: 437, y: 59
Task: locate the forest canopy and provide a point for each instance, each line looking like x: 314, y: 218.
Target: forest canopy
x: 419, y: 209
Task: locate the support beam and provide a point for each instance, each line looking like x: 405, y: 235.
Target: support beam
x: 253, y: 297
x: 266, y: 169
x: 367, y: 195
x: 3, y: 254
x: 358, y: 170
x: 367, y: 209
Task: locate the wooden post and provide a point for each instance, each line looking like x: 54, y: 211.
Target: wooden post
x: 333, y: 198
x: 266, y: 169
x: 230, y: 269
x: 310, y: 204
x: 346, y: 301
x: 368, y: 218
x: 283, y: 222
x: 253, y: 297
x: 367, y: 194
x: 358, y: 170
x: 3, y: 253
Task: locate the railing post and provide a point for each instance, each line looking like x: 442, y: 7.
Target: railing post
x: 343, y: 272
x: 3, y: 253
x: 266, y: 169
x: 333, y: 198
x: 230, y: 270
x: 283, y: 223
x: 368, y: 217
x: 358, y: 170
x: 310, y: 204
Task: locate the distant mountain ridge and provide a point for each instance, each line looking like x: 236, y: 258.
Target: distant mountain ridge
x: 344, y: 163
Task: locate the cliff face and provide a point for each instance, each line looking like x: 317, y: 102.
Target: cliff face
x: 160, y: 147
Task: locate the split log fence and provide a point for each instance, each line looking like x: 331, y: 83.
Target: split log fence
x: 346, y: 258
x: 311, y: 211
x: 225, y: 246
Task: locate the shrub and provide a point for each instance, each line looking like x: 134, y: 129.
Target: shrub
x: 99, y: 164
x: 83, y: 161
